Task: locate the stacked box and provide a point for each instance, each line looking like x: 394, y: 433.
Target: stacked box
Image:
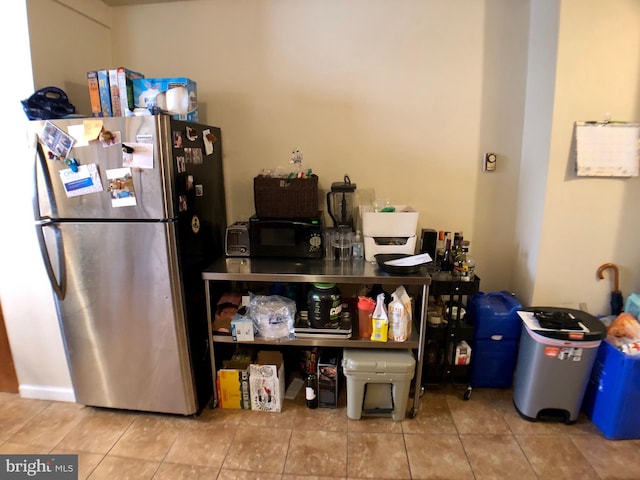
x: 94, y: 93
x: 496, y: 332
x: 116, y: 106
x: 111, y: 91
x: 177, y: 96
x: 125, y: 86
x: 105, y: 93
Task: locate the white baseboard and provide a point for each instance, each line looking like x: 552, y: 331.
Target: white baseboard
x: 43, y: 392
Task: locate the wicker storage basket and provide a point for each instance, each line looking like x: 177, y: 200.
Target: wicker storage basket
x: 285, y: 197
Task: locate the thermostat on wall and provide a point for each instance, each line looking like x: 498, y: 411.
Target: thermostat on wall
x: 489, y: 164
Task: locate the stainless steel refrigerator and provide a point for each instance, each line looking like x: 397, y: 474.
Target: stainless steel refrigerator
x: 127, y: 219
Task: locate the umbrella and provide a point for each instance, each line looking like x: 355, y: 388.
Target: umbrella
x: 616, y: 294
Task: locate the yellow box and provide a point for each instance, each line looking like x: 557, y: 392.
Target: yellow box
x: 233, y: 389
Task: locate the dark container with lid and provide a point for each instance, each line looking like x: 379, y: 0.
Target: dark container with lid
x: 325, y: 305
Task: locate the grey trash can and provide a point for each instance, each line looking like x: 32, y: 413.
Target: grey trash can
x: 558, y: 347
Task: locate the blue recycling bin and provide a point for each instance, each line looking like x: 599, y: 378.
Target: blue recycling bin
x: 496, y: 332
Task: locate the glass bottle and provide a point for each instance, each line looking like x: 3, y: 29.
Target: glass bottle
x: 471, y: 267
x: 357, y: 247
x: 464, y: 264
x: 460, y: 262
x: 439, y: 248
x: 446, y: 256
x: 456, y: 249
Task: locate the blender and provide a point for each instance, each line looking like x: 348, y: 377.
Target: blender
x: 340, y: 203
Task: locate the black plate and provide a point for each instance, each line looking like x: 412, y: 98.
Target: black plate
x: 397, y: 269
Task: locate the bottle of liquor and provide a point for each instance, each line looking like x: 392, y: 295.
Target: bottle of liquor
x: 446, y: 256
x: 471, y: 267
x: 464, y: 264
x: 311, y: 391
x: 439, y: 248
x: 456, y: 240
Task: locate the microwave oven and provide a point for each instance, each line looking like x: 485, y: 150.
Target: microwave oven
x: 286, y: 237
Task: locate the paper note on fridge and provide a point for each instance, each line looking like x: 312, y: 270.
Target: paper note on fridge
x: 208, y: 142
x: 91, y: 129
x: 141, y: 155
x: 85, y: 180
x: 121, y: 187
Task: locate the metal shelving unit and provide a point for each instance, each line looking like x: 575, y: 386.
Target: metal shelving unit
x: 265, y: 270
x: 444, y: 369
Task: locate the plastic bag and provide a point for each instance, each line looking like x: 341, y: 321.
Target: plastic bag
x: 400, y: 315
x: 625, y: 325
x: 273, y: 316
x: 624, y: 334
x: 379, y: 320
x: 48, y: 103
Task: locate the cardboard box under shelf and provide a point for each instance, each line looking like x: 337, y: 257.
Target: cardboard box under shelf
x: 266, y: 380
x: 328, y: 379
x: 233, y: 389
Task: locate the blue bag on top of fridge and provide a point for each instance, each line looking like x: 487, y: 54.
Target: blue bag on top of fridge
x: 48, y: 103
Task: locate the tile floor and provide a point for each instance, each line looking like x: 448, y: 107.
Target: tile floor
x: 482, y: 438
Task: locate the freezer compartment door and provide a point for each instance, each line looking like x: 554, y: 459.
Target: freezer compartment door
x: 123, y: 318
x: 148, y: 136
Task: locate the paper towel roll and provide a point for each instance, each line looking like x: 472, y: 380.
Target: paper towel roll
x: 177, y: 99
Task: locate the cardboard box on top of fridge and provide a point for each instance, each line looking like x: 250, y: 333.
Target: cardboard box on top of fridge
x: 266, y: 382
x: 402, y: 222
x: 178, y: 96
x: 233, y: 388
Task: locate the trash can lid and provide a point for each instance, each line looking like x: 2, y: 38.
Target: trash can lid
x: 564, y: 323
x: 372, y: 361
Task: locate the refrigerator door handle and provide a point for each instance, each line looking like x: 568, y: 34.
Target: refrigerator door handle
x: 41, y: 160
x: 59, y: 283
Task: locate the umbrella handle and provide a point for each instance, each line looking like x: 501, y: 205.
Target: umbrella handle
x: 612, y: 266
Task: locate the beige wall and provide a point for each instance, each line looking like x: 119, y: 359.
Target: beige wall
x: 589, y: 221
x: 404, y: 96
